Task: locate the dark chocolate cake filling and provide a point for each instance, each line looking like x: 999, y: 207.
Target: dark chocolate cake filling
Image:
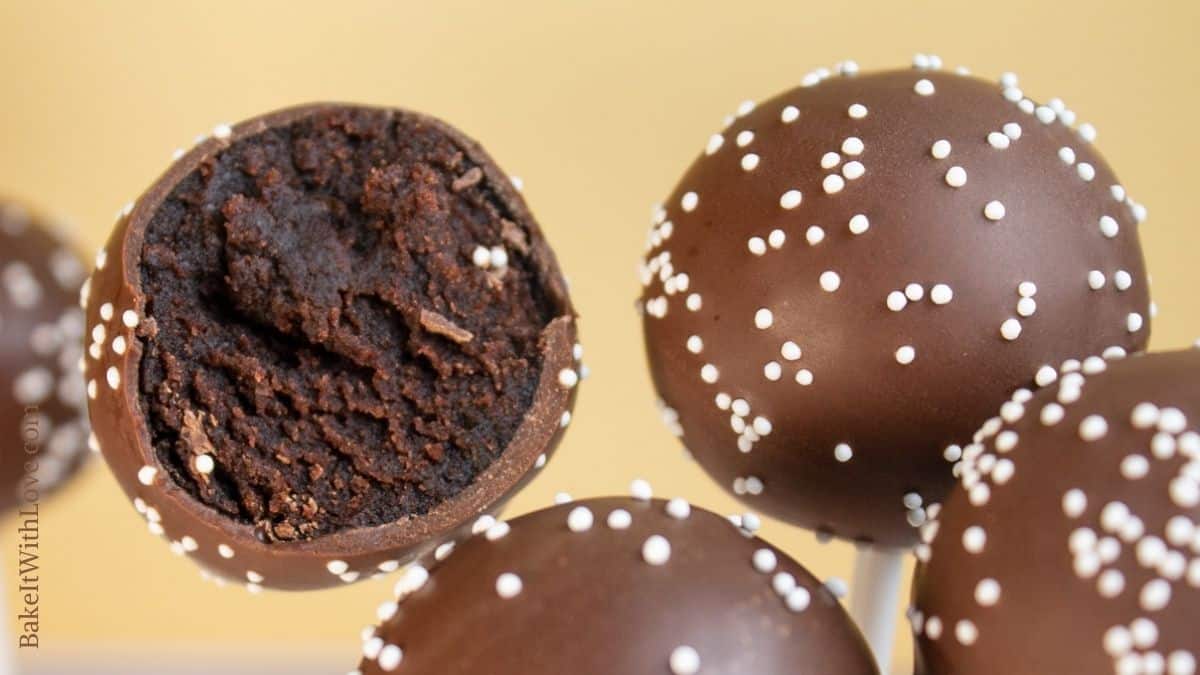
x: 327, y: 328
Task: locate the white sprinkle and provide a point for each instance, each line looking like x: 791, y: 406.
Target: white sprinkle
x: 205, y: 463
x: 1109, y: 227
x: 1010, y: 329
x: 1087, y: 132
x: 337, y: 567
x: 905, y: 355
x: 1133, y: 322
x: 814, y: 235
x: 225, y: 551
x: 783, y: 583
x: 579, y: 519
x: 789, y: 114
x: 508, y: 585
x: 896, y: 301
x: 620, y: 519
x: 772, y: 371
x: 853, y: 170
x: 1110, y: 583
x: 695, y: 344
x: 222, y: 131
x: 1012, y: 130
x: 1093, y: 427
x: 640, y: 490
x: 389, y: 658
x: 693, y: 302
x: 966, y: 632
x: 656, y: 550
x: 1122, y: 280
x: 685, y: 660
x: 1134, y: 467
x: 994, y: 210
x: 790, y: 351
x: 1045, y: 114
x: 1155, y: 595
x: 830, y: 281
x: 833, y: 184
x: 714, y: 144
x: 763, y: 318
x: 146, y: 475
x: 744, y: 138
x: 791, y: 199
x: 709, y: 373
x: 1086, y: 171
x: 1074, y: 503
x: 764, y: 560
x: 923, y: 87
x: 1026, y: 306
x: 745, y: 108
x: 689, y: 201
x: 485, y: 522
x: 499, y: 257
x: 482, y: 257
x: 941, y: 294
x: 987, y: 592
x: 749, y: 161
x: 859, y: 224
x: 798, y: 599
x: 940, y: 149
x: 1067, y: 155
x: 830, y: 160
x: 843, y: 452
x: 804, y: 377
x: 998, y: 140
x: 129, y: 318
x: 678, y: 508
x: 568, y: 378
x: 974, y: 539
x: 776, y: 238
x: 857, y: 111
x: 852, y: 146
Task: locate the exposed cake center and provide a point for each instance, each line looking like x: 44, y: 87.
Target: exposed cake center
x: 332, y: 349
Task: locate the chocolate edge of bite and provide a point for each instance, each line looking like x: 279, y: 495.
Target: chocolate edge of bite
x: 170, y: 510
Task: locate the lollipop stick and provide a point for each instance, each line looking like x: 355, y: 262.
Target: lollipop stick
x: 875, y: 599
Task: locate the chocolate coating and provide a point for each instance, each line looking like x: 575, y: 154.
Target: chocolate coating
x: 1072, y: 544
x: 562, y: 590
x: 285, y: 383
x: 855, y: 274
x: 41, y: 391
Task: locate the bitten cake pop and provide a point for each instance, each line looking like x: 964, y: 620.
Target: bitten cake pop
x: 614, y: 585
x: 856, y: 272
x: 325, y: 341
x: 41, y: 390
x: 1073, y: 542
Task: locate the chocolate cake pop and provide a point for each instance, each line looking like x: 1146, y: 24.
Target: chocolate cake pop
x: 1072, y: 544
x: 325, y: 341
x: 41, y: 391
x: 856, y: 272
x: 614, y: 585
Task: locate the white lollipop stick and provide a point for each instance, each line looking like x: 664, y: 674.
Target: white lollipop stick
x: 875, y: 599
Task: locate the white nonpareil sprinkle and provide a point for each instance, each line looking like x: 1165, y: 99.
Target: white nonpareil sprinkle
x: 798, y: 599
x: 640, y: 490
x: 1012, y: 130
x: 389, y: 658
x: 744, y: 138
x: 853, y: 170
x: 568, y: 378
x: 814, y: 235
x: 763, y: 318
x: 940, y: 149
x: 791, y: 199
x: 1086, y: 171
x: 656, y: 550
x: 998, y: 140
x: 1109, y: 227
x: 146, y: 475
x: 896, y: 301
x: 941, y: 294
x: 508, y: 585
x: 772, y: 371
x: 685, y: 660
x: 678, y: 508
x: 842, y: 452
x: 789, y: 114
x: 709, y: 373
x: 1093, y: 427
x: 205, y: 463
x: 790, y: 351
x: 337, y: 567
x: 620, y: 519
x: 830, y: 281
x: 859, y: 224
x: 852, y: 146
x: 974, y: 539
x: 783, y: 583
x: 1010, y: 329
x: 689, y: 201
x: 830, y: 160
x: 987, y: 592
x: 714, y: 144
x: 923, y: 87
x: 833, y: 184
x: 1074, y: 503
x: 481, y: 256
x: 695, y: 344
x: 764, y: 560
x: 994, y: 210
x: 580, y: 519
x: 776, y: 239
x: 1067, y: 155
x: 749, y: 161
x: 905, y: 355
x: 857, y: 111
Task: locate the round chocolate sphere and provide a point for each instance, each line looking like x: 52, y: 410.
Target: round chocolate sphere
x: 41, y: 391
x: 854, y: 274
x: 1073, y: 542
x: 614, y: 585
x: 324, y: 341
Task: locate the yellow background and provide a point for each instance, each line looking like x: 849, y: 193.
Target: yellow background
x: 598, y: 106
